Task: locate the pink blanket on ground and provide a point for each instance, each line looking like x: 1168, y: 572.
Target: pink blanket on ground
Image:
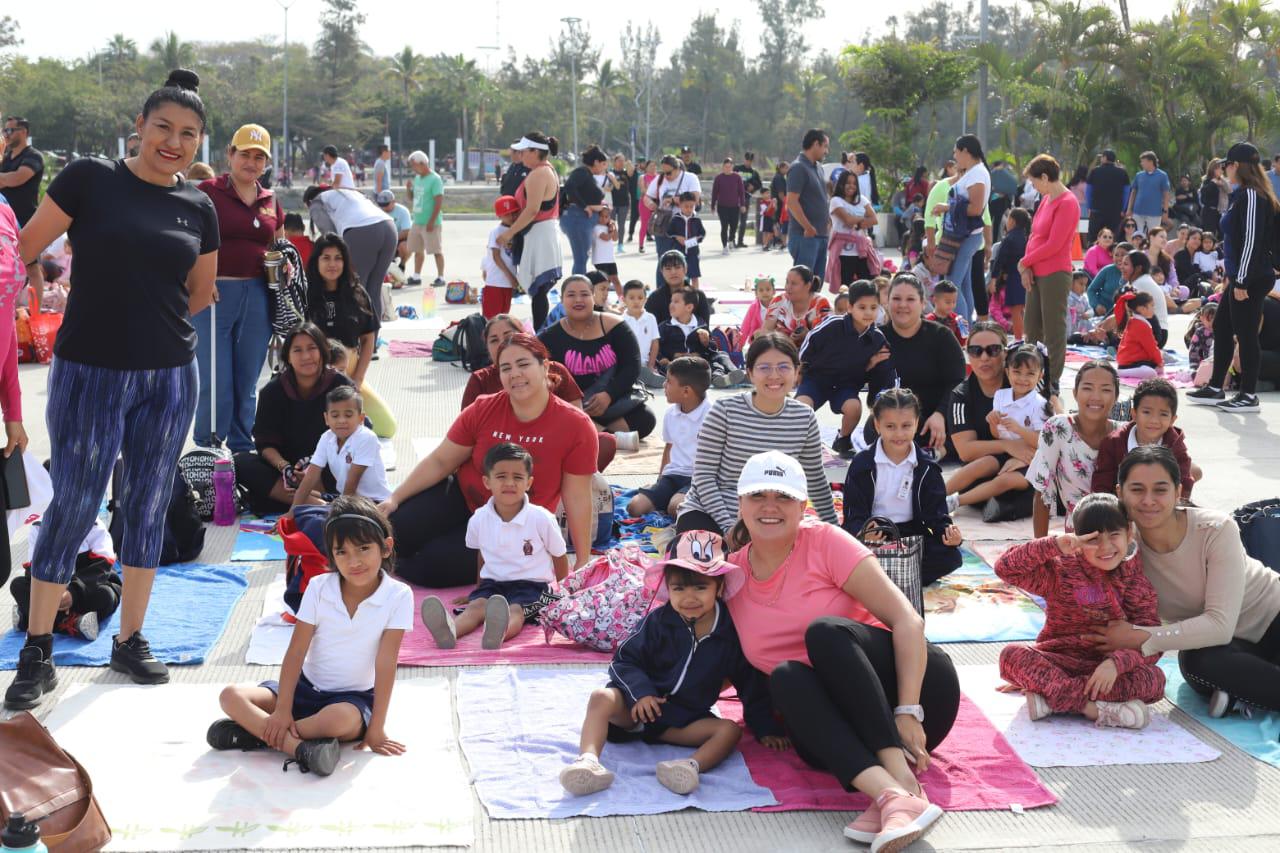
x: 974, y: 769
x: 410, y: 349
x: 418, y: 649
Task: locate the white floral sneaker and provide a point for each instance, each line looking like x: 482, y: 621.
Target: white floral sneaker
x: 585, y: 776
x: 1133, y: 714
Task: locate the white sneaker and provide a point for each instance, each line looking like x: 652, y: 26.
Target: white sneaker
x: 679, y: 775
x: 497, y: 616
x: 953, y: 503
x: 1220, y: 704
x: 585, y: 776
x: 439, y: 621
x: 629, y: 441
x: 1037, y: 707
x: 1133, y: 714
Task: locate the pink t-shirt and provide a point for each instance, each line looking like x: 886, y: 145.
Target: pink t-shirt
x: 772, y: 616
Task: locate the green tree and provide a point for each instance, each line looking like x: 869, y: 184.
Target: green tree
x: 172, y: 52
x: 407, y: 69
x: 9, y: 36
x: 783, y: 42
x: 456, y: 77
x: 338, y: 47
x: 606, y: 91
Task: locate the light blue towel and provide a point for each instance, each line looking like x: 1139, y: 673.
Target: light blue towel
x: 191, y: 604
x: 255, y: 541
x: 520, y: 727
x: 1259, y: 736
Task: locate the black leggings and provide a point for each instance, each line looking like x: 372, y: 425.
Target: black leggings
x: 1238, y: 322
x: 541, y: 308
x: 640, y: 420
x: 728, y: 214
x: 431, y: 532
x: 635, y: 220
x: 853, y: 268
x: 978, y: 282
x: 1248, y: 671
x: 839, y: 711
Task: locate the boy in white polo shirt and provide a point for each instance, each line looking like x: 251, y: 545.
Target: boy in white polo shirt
x: 350, y: 451
x: 521, y: 552
x: 688, y: 378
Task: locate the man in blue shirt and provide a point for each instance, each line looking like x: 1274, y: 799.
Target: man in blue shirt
x: 1274, y: 175
x: 807, y: 204
x: 1149, y: 200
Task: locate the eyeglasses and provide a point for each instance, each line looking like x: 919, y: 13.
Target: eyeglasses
x: 666, y: 173
x: 784, y: 369
x: 10, y: 131
x: 990, y: 350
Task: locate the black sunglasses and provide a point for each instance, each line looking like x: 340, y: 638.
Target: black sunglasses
x: 990, y: 350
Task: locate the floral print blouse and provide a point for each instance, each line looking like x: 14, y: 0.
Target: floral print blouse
x: 1063, y: 464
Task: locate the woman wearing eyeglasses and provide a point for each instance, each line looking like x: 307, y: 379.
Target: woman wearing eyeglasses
x: 738, y: 427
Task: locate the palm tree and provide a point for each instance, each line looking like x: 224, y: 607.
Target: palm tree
x: 407, y: 69
x: 458, y: 77
x: 172, y: 52
x: 811, y: 86
x: 608, y: 88
x: 121, y: 49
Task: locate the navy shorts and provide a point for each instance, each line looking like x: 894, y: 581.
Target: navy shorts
x: 646, y: 732
x: 522, y: 593
x: 693, y: 267
x: 308, y: 700
x: 667, y: 487
x: 820, y: 393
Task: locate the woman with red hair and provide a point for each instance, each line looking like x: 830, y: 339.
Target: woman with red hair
x: 430, y: 510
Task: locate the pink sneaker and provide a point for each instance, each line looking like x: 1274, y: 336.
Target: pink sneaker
x: 866, y: 826
x: 905, y: 818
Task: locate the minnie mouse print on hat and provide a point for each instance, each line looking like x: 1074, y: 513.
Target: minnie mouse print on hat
x: 698, y: 551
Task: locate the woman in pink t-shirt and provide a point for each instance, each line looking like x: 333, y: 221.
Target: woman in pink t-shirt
x: 860, y: 690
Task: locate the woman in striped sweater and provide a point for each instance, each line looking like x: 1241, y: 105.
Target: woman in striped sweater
x: 736, y: 428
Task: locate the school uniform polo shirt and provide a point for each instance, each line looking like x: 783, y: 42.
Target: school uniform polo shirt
x: 360, y: 448
x: 342, y: 652
x: 893, y: 486
x: 680, y: 430
x: 517, y: 550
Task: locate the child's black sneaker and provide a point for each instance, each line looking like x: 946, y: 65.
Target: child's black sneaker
x: 1206, y: 396
x: 843, y: 446
x: 228, y: 734
x: 133, y: 657
x: 318, y: 756
x: 1241, y: 403
x: 35, y: 677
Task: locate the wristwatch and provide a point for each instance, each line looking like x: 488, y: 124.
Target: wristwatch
x: 916, y: 711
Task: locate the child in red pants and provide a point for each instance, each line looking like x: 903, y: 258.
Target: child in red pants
x: 1086, y: 579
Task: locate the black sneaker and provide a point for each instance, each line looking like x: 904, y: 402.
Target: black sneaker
x: 228, y: 734
x: 1206, y: 396
x: 133, y: 657
x: 318, y: 756
x: 1241, y: 403
x: 35, y: 677
x: 843, y: 446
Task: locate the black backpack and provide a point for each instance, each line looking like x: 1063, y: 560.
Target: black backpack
x: 183, y: 527
x: 469, y: 340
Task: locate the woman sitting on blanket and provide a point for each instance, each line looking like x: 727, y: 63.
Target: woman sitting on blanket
x: 430, y: 509
x: 860, y: 691
x: 336, y: 679
x: 289, y: 422
x: 1219, y: 606
x: 487, y: 381
x: 1062, y: 470
x: 1084, y: 577
x: 736, y: 427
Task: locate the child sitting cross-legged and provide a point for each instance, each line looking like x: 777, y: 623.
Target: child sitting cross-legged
x: 336, y: 679
x: 688, y: 379
x: 1139, y: 352
x: 521, y: 552
x: 1155, y: 409
x: 350, y: 451
x: 666, y: 676
x: 683, y: 334
x: 1086, y: 579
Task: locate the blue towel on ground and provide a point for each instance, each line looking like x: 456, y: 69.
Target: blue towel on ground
x: 191, y: 604
x: 255, y: 541
x: 1259, y: 736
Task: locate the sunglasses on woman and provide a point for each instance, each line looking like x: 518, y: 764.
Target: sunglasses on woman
x: 1105, y: 236
x: 990, y: 350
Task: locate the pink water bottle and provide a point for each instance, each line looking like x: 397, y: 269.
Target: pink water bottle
x: 224, y: 493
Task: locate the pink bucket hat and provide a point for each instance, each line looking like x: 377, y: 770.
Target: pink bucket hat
x: 698, y: 551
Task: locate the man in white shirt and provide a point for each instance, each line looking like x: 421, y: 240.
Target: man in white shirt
x: 339, y: 169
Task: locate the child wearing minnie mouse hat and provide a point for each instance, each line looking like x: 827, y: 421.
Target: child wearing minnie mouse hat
x: 666, y: 676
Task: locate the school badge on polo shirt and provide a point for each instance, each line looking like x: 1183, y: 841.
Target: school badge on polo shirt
x: 348, y: 457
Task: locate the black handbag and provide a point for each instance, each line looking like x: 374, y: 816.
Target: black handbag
x: 1259, y: 524
x: 901, y: 557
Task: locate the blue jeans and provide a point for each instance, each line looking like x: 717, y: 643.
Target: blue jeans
x: 579, y: 227
x: 810, y: 251
x: 961, y: 274
x: 243, y: 333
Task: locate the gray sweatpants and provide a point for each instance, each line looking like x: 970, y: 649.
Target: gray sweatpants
x: 373, y: 247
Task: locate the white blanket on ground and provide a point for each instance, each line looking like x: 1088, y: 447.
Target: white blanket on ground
x: 520, y: 726
x: 1064, y: 740
x: 270, y: 638
x: 162, y: 788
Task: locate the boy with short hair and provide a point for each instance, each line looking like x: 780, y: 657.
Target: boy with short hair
x: 945, y: 295
x: 644, y: 326
x: 835, y: 362
x: 687, y: 230
x: 683, y: 334
x: 1155, y: 409
x: 296, y: 233
x: 688, y: 378
x: 350, y: 451
x: 521, y: 551
x: 498, y: 266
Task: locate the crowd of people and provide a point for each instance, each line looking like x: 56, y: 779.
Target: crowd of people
x: 828, y: 653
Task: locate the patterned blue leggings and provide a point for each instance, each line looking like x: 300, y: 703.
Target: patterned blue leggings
x: 95, y: 414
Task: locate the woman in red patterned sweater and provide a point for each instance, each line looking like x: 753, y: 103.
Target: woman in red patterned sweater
x: 1087, y: 578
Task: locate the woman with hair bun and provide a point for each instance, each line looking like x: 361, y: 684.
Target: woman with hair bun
x: 123, y: 379
x: 540, y: 260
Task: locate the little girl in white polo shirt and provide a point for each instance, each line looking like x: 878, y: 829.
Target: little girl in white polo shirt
x: 521, y: 552
x: 335, y: 682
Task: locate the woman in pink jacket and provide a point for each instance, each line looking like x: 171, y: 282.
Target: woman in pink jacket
x: 12, y: 278
x: 1046, y: 265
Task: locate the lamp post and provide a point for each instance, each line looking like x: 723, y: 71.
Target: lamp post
x: 284, y: 130
x: 573, y: 66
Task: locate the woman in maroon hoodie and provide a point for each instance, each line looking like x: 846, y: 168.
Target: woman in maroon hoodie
x: 729, y: 198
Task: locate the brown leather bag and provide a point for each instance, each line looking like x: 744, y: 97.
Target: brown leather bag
x: 43, y: 782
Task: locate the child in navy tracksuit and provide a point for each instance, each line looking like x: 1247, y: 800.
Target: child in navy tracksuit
x: 683, y: 334
x: 834, y: 362
x: 894, y: 479
x: 666, y: 676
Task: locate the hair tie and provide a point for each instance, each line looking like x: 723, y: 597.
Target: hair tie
x: 331, y: 519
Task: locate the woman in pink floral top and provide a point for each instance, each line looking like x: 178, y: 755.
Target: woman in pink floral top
x: 1068, y: 448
